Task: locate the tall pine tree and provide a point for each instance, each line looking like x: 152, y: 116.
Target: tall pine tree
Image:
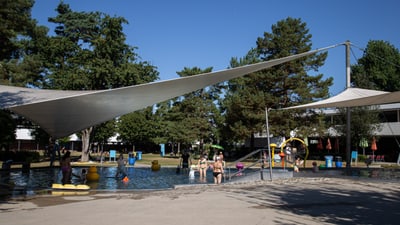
x: 284, y: 85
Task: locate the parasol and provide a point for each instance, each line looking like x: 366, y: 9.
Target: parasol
x: 217, y: 147
x: 306, y: 141
x: 373, y: 147
x: 328, y: 145
x: 337, y: 144
x: 319, y: 145
x: 363, y: 144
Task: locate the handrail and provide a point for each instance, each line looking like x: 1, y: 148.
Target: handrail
x: 237, y: 172
x: 243, y: 158
x: 247, y: 156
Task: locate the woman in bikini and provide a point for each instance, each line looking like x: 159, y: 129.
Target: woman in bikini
x: 202, y: 165
x: 218, y: 171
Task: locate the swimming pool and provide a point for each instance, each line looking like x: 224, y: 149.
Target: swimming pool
x: 139, y: 179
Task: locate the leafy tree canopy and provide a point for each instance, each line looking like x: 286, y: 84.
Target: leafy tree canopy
x: 379, y: 68
x: 281, y: 86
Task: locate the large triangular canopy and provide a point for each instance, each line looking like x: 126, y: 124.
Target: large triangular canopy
x: 352, y: 97
x: 62, y: 113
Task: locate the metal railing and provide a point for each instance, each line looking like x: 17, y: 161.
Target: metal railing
x: 233, y: 164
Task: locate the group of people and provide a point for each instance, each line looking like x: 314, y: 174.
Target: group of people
x: 203, y: 164
x: 66, y: 169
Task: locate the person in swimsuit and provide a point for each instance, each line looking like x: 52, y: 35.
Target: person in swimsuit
x: 185, y: 162
x: 221, y: 156
x: 66, y: 169
x: 202, y: 165
x: 218, y: 170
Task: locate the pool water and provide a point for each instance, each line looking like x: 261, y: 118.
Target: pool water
x: 139, y: 178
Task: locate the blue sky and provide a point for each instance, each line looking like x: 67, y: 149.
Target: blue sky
x: 175, y: 34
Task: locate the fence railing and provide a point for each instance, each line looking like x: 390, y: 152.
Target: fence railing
x: 259, y: 160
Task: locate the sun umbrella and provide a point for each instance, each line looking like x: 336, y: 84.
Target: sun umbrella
x: 328, y: 145
x: 373, y: 147
x: 319, y: 145
x: 217, y: 147
x: 337, y: 145
x: 363, y: 144
x: 306, y: 141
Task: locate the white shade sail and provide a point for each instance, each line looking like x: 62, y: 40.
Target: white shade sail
x: 352, y: 97
x: 61, y: 113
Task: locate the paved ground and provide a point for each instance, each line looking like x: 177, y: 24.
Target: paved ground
x: 298, y: 200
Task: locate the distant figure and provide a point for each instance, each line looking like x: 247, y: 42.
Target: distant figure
x: 185, y: 161
x: 121, y: 170
x: 202, y: 165
x: 6, y: 165
x: 297, y: 163
x: 54, y: 150
x: 265, y: 157
x: 66, y: 169
x: 315, y: 167
x: 83, y: 175
x: 191, y: 172
x: 221, y: 156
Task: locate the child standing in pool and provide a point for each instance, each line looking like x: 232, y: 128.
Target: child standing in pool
x: 121, y: 170
x: 185, y: 162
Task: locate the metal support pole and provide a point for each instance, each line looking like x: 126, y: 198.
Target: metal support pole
x: 269, y: 143
x: 348, y: 119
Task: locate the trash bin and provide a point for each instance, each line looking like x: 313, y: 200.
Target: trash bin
x: 131, y: 159
x: 338, y: 162
x: 328, y: 161
x: 139, y: 155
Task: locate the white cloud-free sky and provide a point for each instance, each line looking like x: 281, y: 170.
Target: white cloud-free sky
x: 175, y: 34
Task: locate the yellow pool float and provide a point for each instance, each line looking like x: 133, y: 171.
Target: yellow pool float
x: 92, y: 174
x: 155, y: 166
x: 72, y: 187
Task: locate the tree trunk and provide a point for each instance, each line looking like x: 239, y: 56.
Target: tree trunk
x: 85, y: 144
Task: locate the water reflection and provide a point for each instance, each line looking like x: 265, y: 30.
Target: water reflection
x: 139, y: 178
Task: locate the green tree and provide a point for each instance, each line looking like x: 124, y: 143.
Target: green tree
x: 200, y: 116
x: 7, y: 129
x: 102, y: 132
x: 191, y: 118
x: 15, y: 20
x: 364, y: 123
x: 137, y: 128
x: 21, y: 62
x: 288, y: 84
x: 21, y: 42
x: 378, y: 68
x: 89, y: 52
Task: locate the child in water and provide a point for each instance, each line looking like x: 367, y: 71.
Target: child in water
x: 121, y: 170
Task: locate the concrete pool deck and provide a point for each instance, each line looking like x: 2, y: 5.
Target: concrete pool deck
x: 297, y: 200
